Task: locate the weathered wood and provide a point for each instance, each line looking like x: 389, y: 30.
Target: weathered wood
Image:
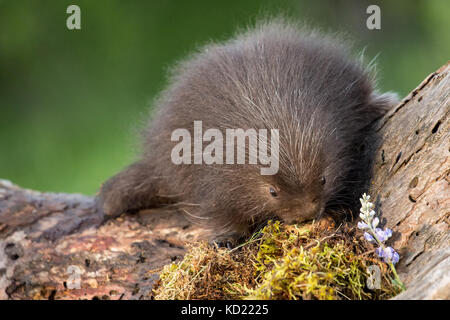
x: 412, y: 186
x: 43, y: 234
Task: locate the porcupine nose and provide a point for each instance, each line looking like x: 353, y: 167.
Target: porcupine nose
x: 302, y: 209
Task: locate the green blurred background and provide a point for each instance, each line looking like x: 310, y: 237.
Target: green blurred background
x: 71, y: 102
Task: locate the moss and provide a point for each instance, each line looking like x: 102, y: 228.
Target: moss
x: 205, y: 273
x: 279, y: 262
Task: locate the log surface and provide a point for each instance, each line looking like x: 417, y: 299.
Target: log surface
x: 412, y: 186
x: 50, y: 242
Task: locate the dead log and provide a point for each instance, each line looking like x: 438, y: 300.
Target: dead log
x: 51, y: 242
x: 410, y: 180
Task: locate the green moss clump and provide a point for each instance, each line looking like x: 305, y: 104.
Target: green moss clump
x: 280, y: 262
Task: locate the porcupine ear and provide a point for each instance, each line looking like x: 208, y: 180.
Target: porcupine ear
x: 383, y: 102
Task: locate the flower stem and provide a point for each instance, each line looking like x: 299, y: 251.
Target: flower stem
x: 397, y: 280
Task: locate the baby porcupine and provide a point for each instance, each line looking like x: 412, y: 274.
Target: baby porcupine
x: 273, y: 76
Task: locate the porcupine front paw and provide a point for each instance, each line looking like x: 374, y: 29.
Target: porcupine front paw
x: 227, y: 240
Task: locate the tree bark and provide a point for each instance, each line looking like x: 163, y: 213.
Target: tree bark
x: 412, y: 186
x: 50, y: 241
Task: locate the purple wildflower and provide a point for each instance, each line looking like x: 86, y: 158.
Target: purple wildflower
x: 395, y: 257
x: 375, y: 222
x: 380, y: 252
x: 369, y: 237
x: 381, y: 235
x: 388, y: 254
x: 373, y: 234
x: 388, y: 232
x: 362, y: 225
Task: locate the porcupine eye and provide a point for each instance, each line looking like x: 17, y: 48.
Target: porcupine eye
x: 323, y: 181
x: 273, y: 192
